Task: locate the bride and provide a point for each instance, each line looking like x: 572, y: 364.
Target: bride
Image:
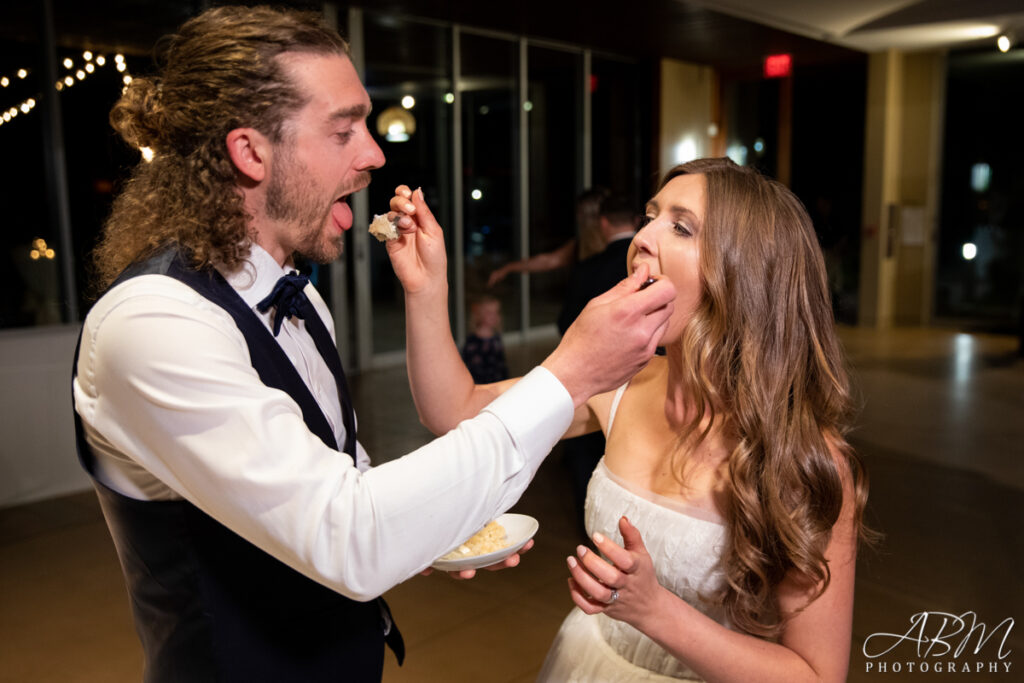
x: 727, y: 508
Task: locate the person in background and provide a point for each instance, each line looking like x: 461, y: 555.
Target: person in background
x: 483, y: 353
x: 211, y: 407
x: 596, y: 274
x: 587, y: 242
x: 727, y: 509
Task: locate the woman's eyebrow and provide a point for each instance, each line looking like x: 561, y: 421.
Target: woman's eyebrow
x: 682, y: 211
x: 676, y: 210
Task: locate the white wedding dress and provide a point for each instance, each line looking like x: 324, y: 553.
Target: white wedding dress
x: 685, y: 544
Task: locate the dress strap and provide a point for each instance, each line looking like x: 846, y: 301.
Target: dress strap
x: 615, y: 406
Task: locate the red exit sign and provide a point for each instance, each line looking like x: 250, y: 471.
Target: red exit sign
x: 778, y: 66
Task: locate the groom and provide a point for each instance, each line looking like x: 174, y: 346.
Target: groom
x: 211, y: 407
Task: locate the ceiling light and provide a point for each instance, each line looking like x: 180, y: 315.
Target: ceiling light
x: 395, y: 124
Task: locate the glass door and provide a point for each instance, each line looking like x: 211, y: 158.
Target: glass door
x: 554, y: 112
x: 490, y: 192
x: 407, y: 73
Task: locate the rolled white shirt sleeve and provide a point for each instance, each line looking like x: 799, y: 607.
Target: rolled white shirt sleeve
x: 164, y: 380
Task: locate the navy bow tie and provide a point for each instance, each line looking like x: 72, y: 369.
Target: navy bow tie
x: 288, y: 299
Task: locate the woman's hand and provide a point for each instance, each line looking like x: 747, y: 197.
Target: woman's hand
x: 625, y: 587
x: 418, y: 255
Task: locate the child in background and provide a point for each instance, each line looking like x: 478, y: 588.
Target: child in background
x: 483, y: 353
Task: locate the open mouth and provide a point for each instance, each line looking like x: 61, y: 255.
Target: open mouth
x: 341, y: 213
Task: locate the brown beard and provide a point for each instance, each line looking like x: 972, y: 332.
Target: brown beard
x: 291, y: 197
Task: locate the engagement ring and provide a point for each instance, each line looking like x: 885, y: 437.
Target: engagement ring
x: 615, y: 596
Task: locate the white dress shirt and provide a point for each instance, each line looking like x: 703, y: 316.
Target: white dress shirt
x: 173, y: 408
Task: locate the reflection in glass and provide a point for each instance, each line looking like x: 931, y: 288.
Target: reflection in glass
x: 86, y: 87
x: 621, y: 97
x: 982, y: 198
x: 30, y: 283
x: 490, y: 166
x: 553, y: 129
x: 752, y: 114
x: 407, y: 77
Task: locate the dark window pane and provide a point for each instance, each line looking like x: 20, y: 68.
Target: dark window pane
x: 982, y: 199
x: 490, y: 158
x: 554, y: 130
x: 621, y: 106
x: 30, y: 274
x: 408, y: 79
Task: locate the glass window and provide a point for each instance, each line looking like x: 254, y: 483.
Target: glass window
x: 408, y: 78
x: 62, y: 159
x: 555, y: 115
x: 828, y: 133
x: 96, y: 157
x: 488, y: 71
x: 981, y: 228
x: 752, y: 123
x: 622, y: 98
x: 29, y: 267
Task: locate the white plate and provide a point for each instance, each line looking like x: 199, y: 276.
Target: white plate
x: 518, y: 530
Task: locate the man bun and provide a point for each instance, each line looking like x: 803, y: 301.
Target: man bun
x: 138, y: 116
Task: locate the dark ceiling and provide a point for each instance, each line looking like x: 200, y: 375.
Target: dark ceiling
x: 640, y: 28
x: 637, y: 28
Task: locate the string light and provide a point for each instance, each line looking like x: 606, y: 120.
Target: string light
x: 20, y: 73
x: 89, y: 66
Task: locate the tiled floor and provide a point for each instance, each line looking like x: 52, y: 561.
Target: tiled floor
x: 941, y: 430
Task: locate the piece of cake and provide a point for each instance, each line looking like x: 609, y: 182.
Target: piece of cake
x: 384, y: 229
x: 487, y: 540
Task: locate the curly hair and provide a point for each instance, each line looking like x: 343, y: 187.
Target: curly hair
x: 219, y: 72
x: 762, y: 361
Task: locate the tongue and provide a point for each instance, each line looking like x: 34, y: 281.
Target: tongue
x: 342, y: 214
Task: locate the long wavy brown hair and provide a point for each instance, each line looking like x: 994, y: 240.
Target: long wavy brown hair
x: 762, y: 362
x: 219, y: 72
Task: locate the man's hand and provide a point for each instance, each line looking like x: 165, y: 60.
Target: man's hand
x: 418, y: 255
x: 509, y: 562
x: 614, y: 337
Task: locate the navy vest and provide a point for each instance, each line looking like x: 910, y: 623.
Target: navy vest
x: 210, y: 606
